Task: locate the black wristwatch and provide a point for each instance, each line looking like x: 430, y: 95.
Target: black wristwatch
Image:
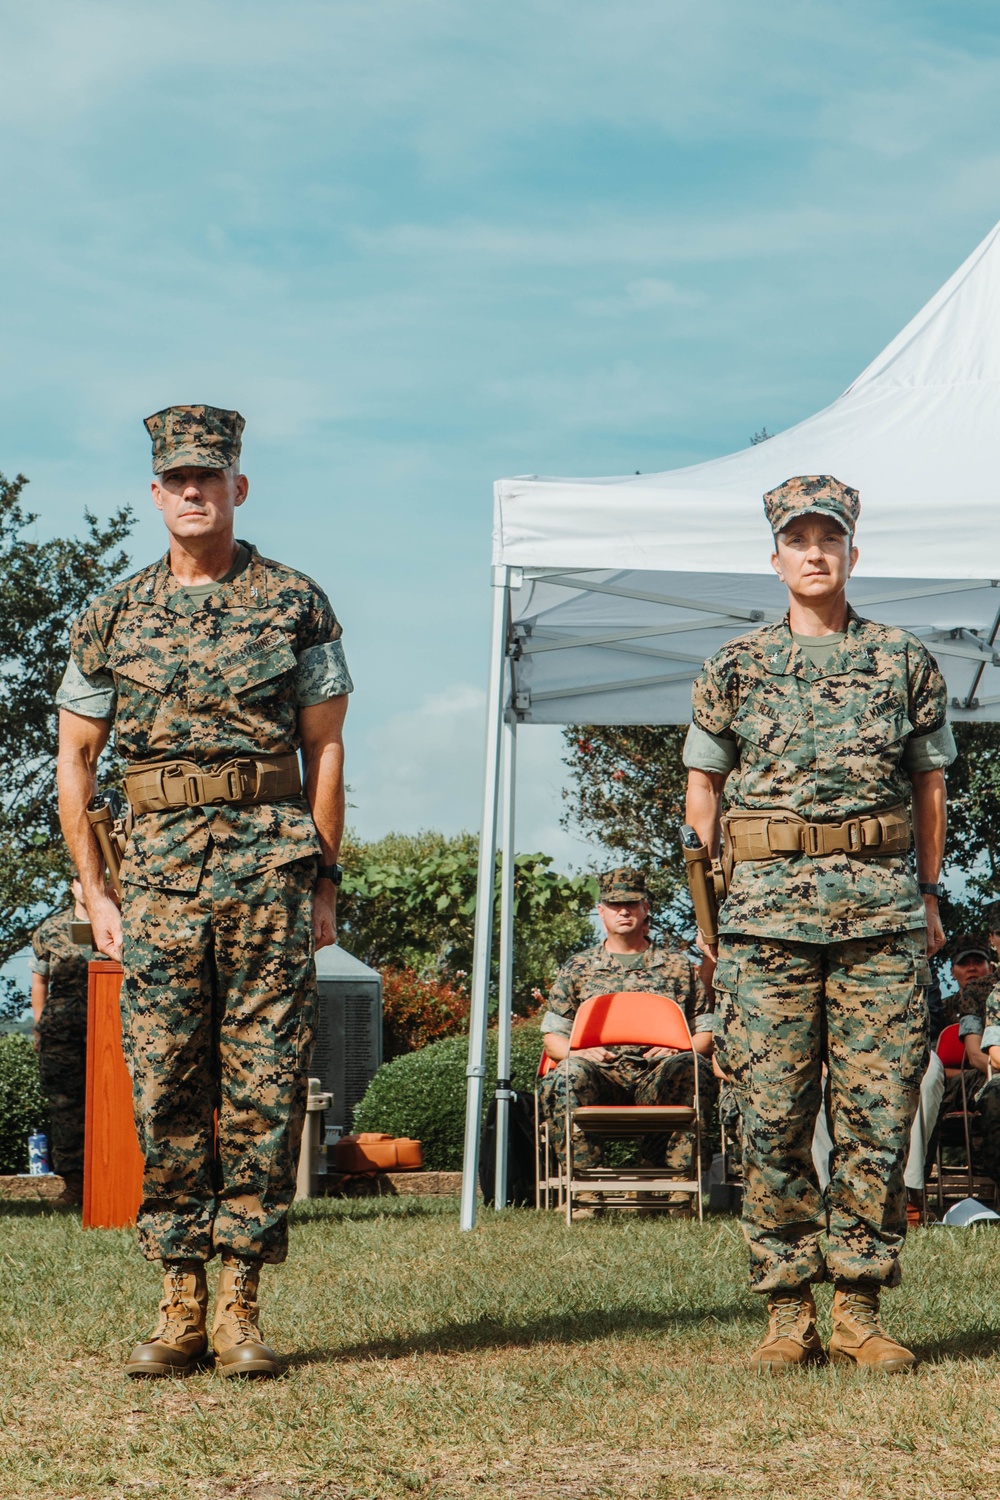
x: 928, y: 888
x: 330, y: 872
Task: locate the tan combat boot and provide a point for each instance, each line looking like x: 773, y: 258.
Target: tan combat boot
x: 236, y: 1335
x: 858, y: 1337
x: 178, y: 1342
x: 791, y: 1335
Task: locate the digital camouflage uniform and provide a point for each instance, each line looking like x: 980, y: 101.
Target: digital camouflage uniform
x: 980, y: 1005
x: 62, y: 1037
x: 631, y: 1078
x: 219, y: 999
x: 821, y: 957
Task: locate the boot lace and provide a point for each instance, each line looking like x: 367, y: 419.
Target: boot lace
x: 785, y: 1314
x: 176, y: 1314
x: 240, y: 1309
x: 860, y: 1307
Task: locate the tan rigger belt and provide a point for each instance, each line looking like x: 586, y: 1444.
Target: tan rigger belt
x: 767, y: 833
x: 241, y: 781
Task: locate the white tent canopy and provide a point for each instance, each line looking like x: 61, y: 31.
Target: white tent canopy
x: 610, y: 593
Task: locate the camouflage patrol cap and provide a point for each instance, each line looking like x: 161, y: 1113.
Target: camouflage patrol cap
x: 812, y: 495
x: 622, y: 884
x: 969, y: 945
x: 204, y: 437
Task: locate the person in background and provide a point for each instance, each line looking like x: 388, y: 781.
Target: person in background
x: 627, y: 960
x: 59, y: 1002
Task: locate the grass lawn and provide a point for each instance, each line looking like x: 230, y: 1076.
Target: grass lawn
x: 523, y: 1360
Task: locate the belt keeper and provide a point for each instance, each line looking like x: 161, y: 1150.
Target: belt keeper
x: 812, y: 831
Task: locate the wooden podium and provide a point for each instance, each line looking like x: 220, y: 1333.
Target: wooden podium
x: 112, y: 1162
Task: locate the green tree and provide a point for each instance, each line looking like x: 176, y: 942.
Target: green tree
x: 409, y: 902
x: 43, y: 585
x: 626, y: 790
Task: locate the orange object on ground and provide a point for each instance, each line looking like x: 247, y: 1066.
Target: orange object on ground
x: 112, y: 1161
x: 371, y: 1152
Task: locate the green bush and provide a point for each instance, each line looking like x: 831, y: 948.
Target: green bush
x: 22, y: 1108
x: 422, y: 1094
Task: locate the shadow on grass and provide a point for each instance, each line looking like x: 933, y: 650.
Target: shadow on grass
x: 490, y: 1333
x: 36, y: 1208
x: 970, y: 1343
x: 323, y: 1210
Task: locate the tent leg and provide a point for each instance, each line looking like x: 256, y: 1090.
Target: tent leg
x: 503, y: 1092
x: 480, y: 994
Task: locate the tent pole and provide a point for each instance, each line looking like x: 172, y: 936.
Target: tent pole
x: 480, y: 994
x: 506, y: 983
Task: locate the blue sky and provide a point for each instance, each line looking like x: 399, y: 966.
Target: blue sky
x: 421, y: 245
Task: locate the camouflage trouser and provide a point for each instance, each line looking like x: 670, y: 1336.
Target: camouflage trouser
x: 62, y: 1071
x: 628, y: 1080
x: 218, y: 1012
x: 782, y: 1007
x: 987, y: 1106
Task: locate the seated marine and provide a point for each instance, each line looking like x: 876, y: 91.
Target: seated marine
x: 627, y: 960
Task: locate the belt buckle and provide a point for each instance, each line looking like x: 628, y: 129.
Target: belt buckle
x: 192, y: 789
x: 234, y: 784
x: 855, y: 840
x: 812, y: 838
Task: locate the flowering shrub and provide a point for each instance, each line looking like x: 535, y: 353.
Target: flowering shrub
x: 418, y: 1010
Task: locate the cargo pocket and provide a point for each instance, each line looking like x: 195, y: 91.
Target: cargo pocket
x: 728, y: 1029
x: 143, y: 683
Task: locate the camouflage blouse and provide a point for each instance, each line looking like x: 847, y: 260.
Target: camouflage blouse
x: 56, y: 957
x: 598, y: 972
x: 203, y: 681
x: 829, y: 744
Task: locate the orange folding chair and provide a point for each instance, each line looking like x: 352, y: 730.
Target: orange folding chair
x: 636, y: 1018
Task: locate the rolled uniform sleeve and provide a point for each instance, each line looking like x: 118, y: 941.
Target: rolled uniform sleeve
x: 703, y: 1006
x: 90, y: 694
x: 321, y: 673
x: 969, y: 1026
x: 321, y: 666
x: 562, y: 1006
x: 930, y: 752
x: 709, y: 752
x: 38, y: 963
x: 991, y: 1031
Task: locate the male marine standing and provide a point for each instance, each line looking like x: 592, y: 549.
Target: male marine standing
x: 214, y: 666
x: 831, y: 731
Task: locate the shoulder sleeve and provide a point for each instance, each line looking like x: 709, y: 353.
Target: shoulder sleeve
x: 927, y: 693
x: 991, y: 1031
x: 704, y: 1006
x: 562, y: 1003
x: 714, y: 696
x: 38, y: 963
x: 930, y: 752
x: 709, y: 752
x: 970, y: 1026
x: 90, y: 694
x: 322, y: 673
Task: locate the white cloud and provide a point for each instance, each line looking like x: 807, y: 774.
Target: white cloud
x: 424, y: 769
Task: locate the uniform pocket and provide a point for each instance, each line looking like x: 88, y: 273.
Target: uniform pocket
x: 757, y: 727
x: 266, y: 659
x: 147, y: 672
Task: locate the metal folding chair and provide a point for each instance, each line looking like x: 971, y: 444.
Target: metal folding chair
x: 628, y: 1017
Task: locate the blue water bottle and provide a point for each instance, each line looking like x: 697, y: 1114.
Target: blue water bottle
x: 38, y: 1155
